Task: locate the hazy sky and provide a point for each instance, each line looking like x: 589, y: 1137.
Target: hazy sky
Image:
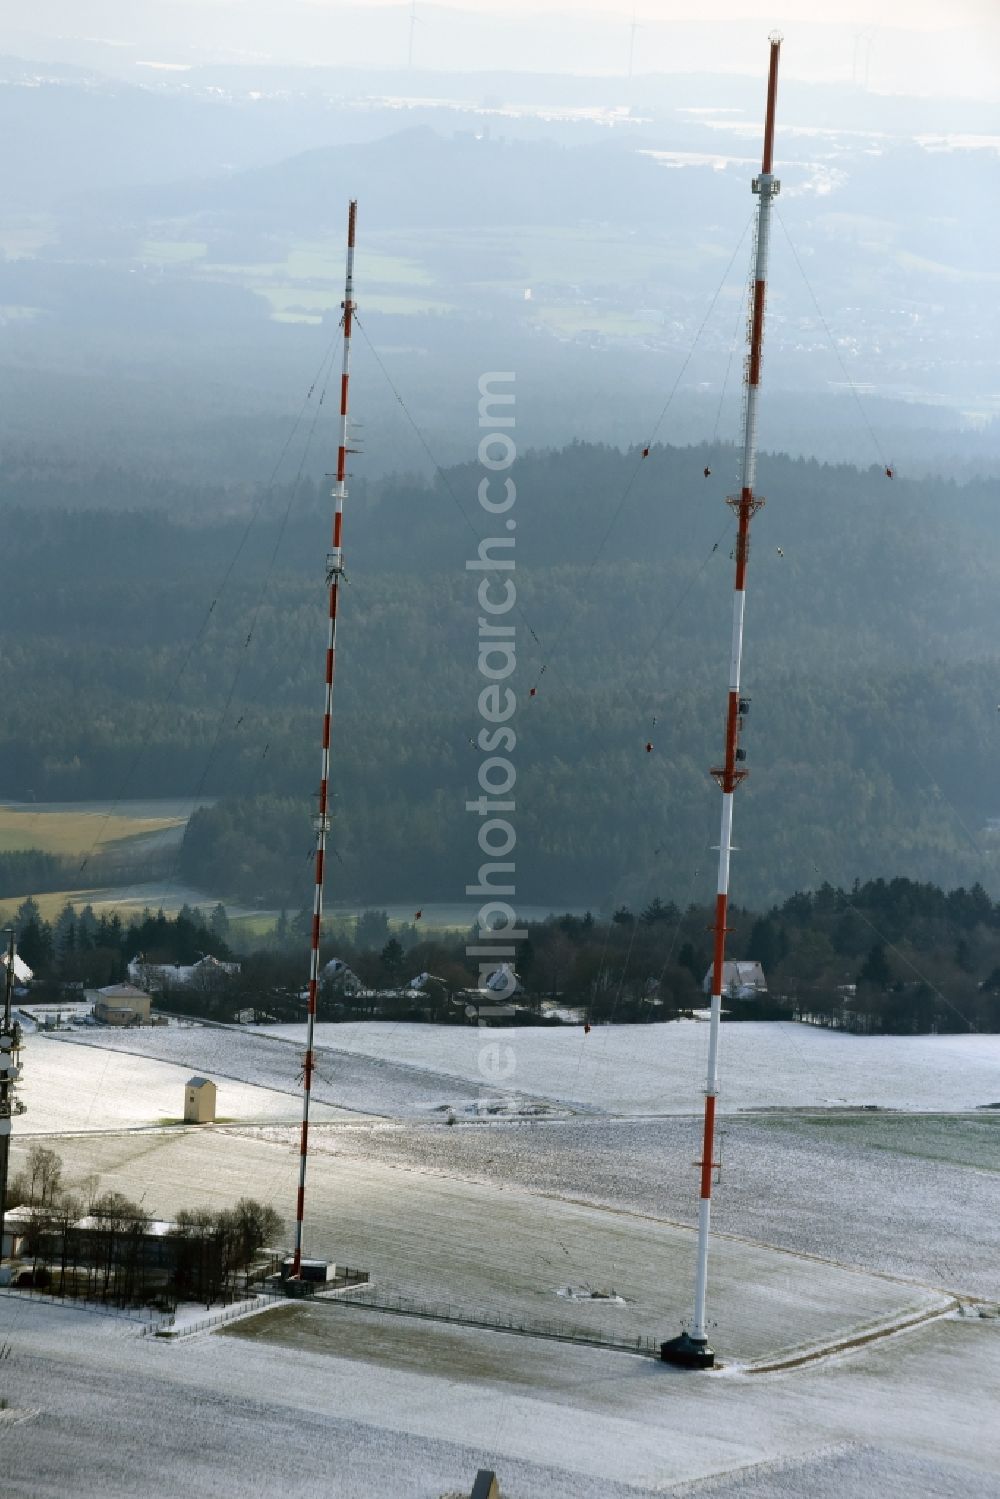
x: 943, y: 47
x: 934, y: 15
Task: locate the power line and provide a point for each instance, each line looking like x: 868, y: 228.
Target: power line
x: 265, y: 585
x: 833, y: 345
x: 438, y: 469
x: 218, y: 591
x: 645, y: 450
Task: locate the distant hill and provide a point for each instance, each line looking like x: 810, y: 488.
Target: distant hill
x: 170, y: 261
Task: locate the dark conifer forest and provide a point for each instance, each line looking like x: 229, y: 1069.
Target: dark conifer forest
x: 172, y: 646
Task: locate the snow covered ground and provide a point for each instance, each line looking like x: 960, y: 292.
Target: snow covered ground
x: 891, y: 1192
x: 412, y: 1070
x: 367, y: 1085
x: 355, y: 1406
x: 68, y: 1088
x: 474, y: 1247
x: 646, y: 1069
x: 832, y: 1220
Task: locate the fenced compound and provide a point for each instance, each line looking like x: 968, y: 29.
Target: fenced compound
x: 353, y: 1288
x: 530, y: 1327
x: 169, y: 1328
x: 145, y: 1316
x: 147, y: 1319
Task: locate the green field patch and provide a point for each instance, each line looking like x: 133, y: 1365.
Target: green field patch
x: 558, y: 256
x: 243, y: 274
x: 312, y: 318
x: 298, y: 300
x: 607, y: 321
x: 52, y: 902
x: 954, y: 1139
x: 262, y: 924
x: 172, y: 251
x: 549, y: 257
x: 49, y: 904
x: 919, y: 263
x: 307, y: 283
x: 307, y: 304
x: 404, y: 306
x: 22, y: 238
x: 391, y: 269
x: 323, y: 262
x: 252, y: 927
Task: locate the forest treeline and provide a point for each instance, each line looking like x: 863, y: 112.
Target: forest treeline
x: 151, y: 655
x: 83, y: 948
x: 38, y: 871
x: 893, y: 956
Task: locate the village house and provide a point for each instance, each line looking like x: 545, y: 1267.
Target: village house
x: 120, y: 1004
x: 743, y: 979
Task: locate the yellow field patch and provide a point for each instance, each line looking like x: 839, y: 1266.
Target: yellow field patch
x: 72, y: 832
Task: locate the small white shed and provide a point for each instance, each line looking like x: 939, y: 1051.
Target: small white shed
x: 199, y: 1101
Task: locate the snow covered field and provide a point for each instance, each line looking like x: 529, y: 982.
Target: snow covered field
x: 368, y: 1085
x: 360, y: 1406
x: 908, y: 1196
x: 68, y: 1088
x: 648, y: 1069
x: 410, y: 1070
x: 832, y: 1220
x: 443, y: 1240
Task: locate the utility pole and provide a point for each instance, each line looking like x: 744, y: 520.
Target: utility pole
x: 691, y: 1350
x: 10, y: 1071
x: 321, y: 822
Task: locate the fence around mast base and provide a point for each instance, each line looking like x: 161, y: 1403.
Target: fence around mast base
x: 460, y: 1316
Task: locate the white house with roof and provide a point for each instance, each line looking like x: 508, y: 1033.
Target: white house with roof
x: 504, y: 982
x: 120, y: 1004
x: 337, y: 975
x: 741, y: 979
x: 22, y: 973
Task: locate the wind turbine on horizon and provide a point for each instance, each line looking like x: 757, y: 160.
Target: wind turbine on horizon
x: 861, y: 67
x: 634, y: 27
x: 415, y: 20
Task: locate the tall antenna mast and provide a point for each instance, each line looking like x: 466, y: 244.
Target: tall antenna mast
x: 334, y: 572
x: 10, y: 1071
x: 691, y: 1349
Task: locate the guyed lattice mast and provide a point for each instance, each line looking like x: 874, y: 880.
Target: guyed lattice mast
x: 691, y: 1349
x: 10, y: 1071
x: 334, y: 572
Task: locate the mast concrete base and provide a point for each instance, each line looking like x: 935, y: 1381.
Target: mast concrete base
x: 685, y: 1352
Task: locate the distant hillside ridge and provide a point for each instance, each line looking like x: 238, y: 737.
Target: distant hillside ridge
x: 870, y: 660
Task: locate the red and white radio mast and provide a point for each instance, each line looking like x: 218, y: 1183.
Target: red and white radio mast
x: 334, y: 571
x: 691, y: 1349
